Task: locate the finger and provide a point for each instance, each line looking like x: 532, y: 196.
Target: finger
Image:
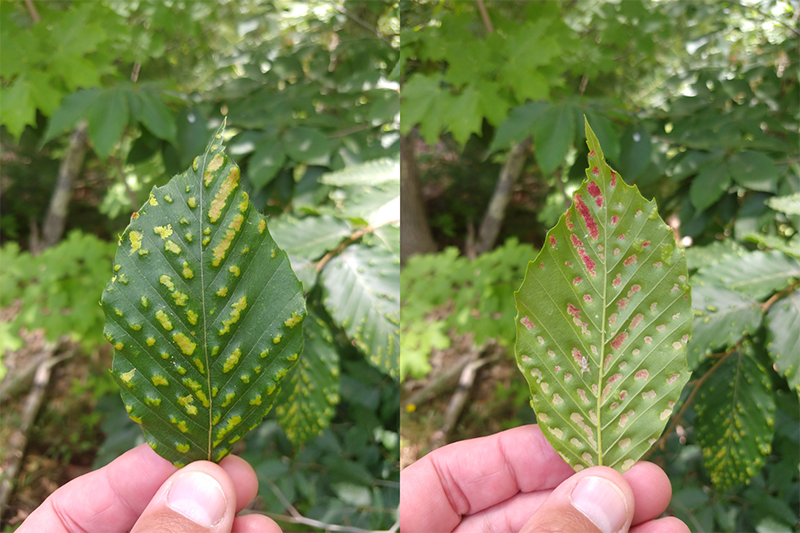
x: 662, y: 525
x: 651, y: 489
x: 255, y: 523
x: 467, y: 477
x: 199, y: 498
x: 244, y: 479
x: 595, y: 500
x: 108, y: 499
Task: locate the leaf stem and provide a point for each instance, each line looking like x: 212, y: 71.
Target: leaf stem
x: 778, y: 295
x: 350, y: 240
x: 677, y: 418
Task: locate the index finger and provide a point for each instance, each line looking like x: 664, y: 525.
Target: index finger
x: 469, y: 476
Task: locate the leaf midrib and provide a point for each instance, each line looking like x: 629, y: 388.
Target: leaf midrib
x: 201, y: 186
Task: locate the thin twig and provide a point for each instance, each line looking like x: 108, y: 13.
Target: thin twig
x: 485, y: 16
x: 350, y: 240
x: 777, y: 296
x: 32, y: 11
x: 677, y: 418
x: 361, y: 22
x: 297, y: 518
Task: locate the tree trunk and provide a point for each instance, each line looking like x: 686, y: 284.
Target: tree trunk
x: 56, y: 219
x: 496, y: 212
x: 415, y: 236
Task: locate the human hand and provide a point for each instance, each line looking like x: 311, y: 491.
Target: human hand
x: 141, y: 492
x: 515, y: 481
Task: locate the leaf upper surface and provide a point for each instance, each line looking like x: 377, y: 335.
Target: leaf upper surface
x: 604, y: 315
x: 783, y: 337
x: 204, y: 313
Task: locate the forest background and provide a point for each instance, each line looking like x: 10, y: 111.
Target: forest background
x: 696, y: 103
x: 101, y: 101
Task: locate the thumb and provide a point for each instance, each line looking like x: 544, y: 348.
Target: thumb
x: 595, y: 500
x: 199, y: 498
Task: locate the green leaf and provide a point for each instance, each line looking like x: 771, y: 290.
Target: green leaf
x: 754, y: 170
x: 606, y: 135
x: 361, y: 292
x: 17, y: 108
x: 634, y: 156
x: 786, y: 204
x: 418, y: 95
x: 701, y: 256
x: 155, y: 116
x: 757, y: 274
x: 554, y: 131
x: 709, y: 186
x: 517, y: 126
x: 783, y: 341
x: 369, y: 173
x: 310, y: 237
x: 463, y: 117
x: 304, y: 410
x: 306, y: 145
x: 790, y: 247
x: 73, y: 108
x: 203, y: 311
x: 604, y: 316
x: 722, y: 317
x: 108, y: 117
x: 265, y: 163
x: 735, y: 419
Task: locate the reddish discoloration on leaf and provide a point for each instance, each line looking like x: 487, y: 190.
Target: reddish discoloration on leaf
x: 615, y: 377
x: 634, y: 290
x: 618, y: 340
x: 631, y: 260
x: 569, y: 264
x: 642, y: 374
x: 645, y: 244
x: 657, y: 264
x: 636, y: 321
x: 553, y: 241
x: 576, y: 242
x: 587, y: 298
x: 587, y: 261
x: 612, y: 319
x: 593, y: 189
x: 617, y: 280
x: 614, y: 220
x: 527, y: 323
x: 577, y: 280
x: 672, y: 378
x: 588, y: 219
x: 591, y: 154
x: 622, y: 303
x: 613, y: 179
x: 570, y: 225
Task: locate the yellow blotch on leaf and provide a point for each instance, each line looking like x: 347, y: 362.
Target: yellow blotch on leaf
x: 256, y: 400
x: 231, y: 361
x: 234, y: 270
x: 238, y: 307
x: 228, y: 398
x: 186, y: 401
x: 163, y: 231
x: 127, y: 376
x: 159, y: 380
x: 230, y: 183
x: 136, y: 240
x: 276, y: 339
x: 186, y: 345
x: 293, y: 321
x: 191, y: 202
x: 144, y: 302
x: 153, y: 200
x: 136, y: 419
x: 262, y: 224
x: 192, y: 316
x: 180, y: 298
x: 155, y: 402
x: 222, y: 248
x: 194, y: 163
x: 222, y: 291
x: 183, y: 448
x: 271, y: 389
x: 203, y: 399
x: 172, y: 247
x: 150, y: 341
x: 187, y: 272
x: 245, y: 378
x: 119, y: 346
x: 168, y: 198
x: 167, y: 282
x: 162, y: 317
x: 244, y: 203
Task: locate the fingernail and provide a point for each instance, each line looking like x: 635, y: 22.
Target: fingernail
x: 602, y: 502
x: 198, y: 497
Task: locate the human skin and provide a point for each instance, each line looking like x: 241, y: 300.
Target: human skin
x: 515, y: 481
x: 140, y: 491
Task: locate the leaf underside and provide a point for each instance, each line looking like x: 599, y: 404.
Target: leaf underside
x: 604, y: 316
x: 204, y: 312
x: 736, y: 419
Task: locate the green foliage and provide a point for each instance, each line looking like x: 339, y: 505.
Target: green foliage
x: 783, y: 342
x: 736, y: 418
x: 476, y: 297
x: 57, y: 290
x: 621, y: 317
x: 204, y: 313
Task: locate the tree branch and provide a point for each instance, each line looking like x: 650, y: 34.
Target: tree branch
x: 777, y: 296
x: 297, y: 518
x: 350, y: 240
x: 32, y: 11
x: 697, y: 384
x: 485, y: 16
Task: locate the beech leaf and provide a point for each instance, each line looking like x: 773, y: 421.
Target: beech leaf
x: 204, y: 313
x: 604, y: 316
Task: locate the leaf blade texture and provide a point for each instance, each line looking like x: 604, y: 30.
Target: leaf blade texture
x: 736, y: 418
x: 204, y: 312
x: 783, y: 339
x: 604, y: 315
